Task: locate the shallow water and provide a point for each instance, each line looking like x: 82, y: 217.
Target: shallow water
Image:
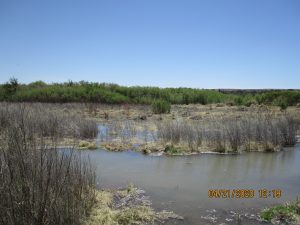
x: 181, y: 183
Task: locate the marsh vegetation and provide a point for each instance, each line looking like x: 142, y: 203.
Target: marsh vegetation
x: 249, y: 133
x: 253, y: 131
x: 59, y: 185
x: 39, y: 185
x: 43, y: 120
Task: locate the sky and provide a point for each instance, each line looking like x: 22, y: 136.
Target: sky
x: 165, y: 43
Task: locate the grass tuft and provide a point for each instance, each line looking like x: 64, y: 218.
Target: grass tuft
x: 286, y: 212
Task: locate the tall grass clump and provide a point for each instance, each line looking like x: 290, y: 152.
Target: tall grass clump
x: 160, y: 106
x: 40, y: 186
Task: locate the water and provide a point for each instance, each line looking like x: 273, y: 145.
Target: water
x: 181, y: 183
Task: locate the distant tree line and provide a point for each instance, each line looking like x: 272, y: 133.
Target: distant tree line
x: 83, y: 91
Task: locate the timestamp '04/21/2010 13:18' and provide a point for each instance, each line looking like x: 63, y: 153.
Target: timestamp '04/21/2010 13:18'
x: 244, y: 193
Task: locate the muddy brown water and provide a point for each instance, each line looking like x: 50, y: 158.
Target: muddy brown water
x: 181, y: 183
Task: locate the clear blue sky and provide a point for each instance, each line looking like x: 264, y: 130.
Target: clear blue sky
x: 192, y: 43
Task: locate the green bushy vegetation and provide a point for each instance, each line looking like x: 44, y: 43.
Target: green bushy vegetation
x: 171, y: 150
x: 161, y: 106
x: 83, y: 91
x: 287, y: 212
x: 282, y: 99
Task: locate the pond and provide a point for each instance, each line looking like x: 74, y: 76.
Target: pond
x: 181, y: 183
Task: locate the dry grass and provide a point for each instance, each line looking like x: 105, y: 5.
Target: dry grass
x: 87, y: 145
x: 49, y: 121
x: 103, y: 213
x: 251, y: 132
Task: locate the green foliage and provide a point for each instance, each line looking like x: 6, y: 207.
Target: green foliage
x: 289, y: 97
x: 130, y: 188
x: 171, y: 150
x: 281, y: 101
x: 246, y: 100
x: 238, y: 100
x: 37, y: 84
x: 281, y: 210
x: 161, y: 106
x: 83, y: 91
x: 10, y: 88
x: 289, y: 211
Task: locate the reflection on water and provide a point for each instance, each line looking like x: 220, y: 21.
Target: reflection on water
x: 181, y: 183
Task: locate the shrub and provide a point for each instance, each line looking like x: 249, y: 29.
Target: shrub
x: 161, y: 106
x: 40, y: 186
x: 281, y: 102
x: 10, y: 88
x: 238, y: 100
x: 37, y: 84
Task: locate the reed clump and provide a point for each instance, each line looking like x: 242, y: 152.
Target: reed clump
x: 252, y: 132
x: 48, y: 122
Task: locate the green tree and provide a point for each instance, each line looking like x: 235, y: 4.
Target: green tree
x: 10, y: 88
